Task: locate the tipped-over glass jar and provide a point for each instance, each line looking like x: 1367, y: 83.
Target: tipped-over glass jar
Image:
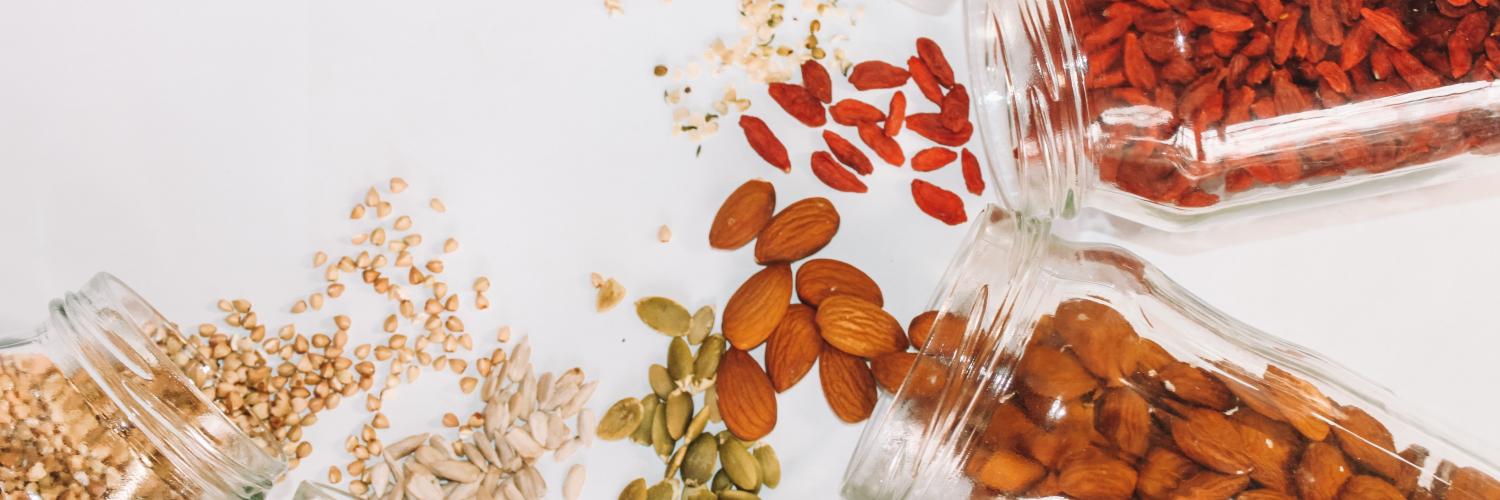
x: 1177, y: 113
x: 1061, y: 369
x: 91, y: 408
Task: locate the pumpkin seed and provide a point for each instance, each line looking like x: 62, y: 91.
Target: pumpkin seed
x: 611, y: 292
x: 770, y: 466
x: 642, y: 433
x: 707, y: 364
x: 620, y: 420
x: 675, y: 463
x: 702, y: 458
x: 680, y: 361
x: 668, y: 489
x: 636, y: 490
x: 739, y: 464
x: 737, y: 495
x: 711, y: 401
x: 661, y: 381
x: 664, y: 315
x: 702, y: 324
x: 695, y: 427
x: 679, y: 408
x: 660, y: 438
x: 721, y: 481
x: 699, y: 493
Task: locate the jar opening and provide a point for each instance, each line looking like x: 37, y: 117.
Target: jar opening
x: 106, y: 327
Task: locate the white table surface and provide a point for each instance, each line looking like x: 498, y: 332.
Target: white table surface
x: 205, y: 150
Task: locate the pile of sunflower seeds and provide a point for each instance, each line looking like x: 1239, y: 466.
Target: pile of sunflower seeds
x: 701, y: 465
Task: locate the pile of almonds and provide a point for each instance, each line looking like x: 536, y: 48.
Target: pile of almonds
x: 949, y: 127
x: 1097, y: 411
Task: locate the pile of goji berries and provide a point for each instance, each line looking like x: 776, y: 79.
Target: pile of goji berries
x: 812, y: 103
x: 1211, y: 64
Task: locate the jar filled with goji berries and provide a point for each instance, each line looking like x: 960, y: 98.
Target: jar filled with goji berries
x: 1177, y: 113
x: 90, y: 407
x: 1053, y: 368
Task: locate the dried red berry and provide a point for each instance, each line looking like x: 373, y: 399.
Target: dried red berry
x: 847, y: 153
x: 1219, y: 20
x: 799, y: 103
x: 883, y: 145
x: 834, y: 175
x: 954, y: 113
x: 939, y: 203
x: 1389, y: 27
x: 765, y: 143
x: 896, y: 115
x: 927, y: 83
x: 931, y: 159
x: 817, y: 80
x: 929, y: 125
x: 850, y: 112
x: 871, y: 75
x: 973, y: 179
x: 932, y: 56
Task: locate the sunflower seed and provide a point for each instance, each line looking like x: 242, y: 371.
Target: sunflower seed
x: 573, y: 482
x: 404, y: 447
x: 587, y: 425
x: 423, y: 486
x: 453, y: 470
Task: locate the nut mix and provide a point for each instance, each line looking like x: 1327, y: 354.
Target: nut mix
x: 1097, y: 411
x: 1193, y: 70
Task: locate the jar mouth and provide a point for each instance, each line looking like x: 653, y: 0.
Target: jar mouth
x: 1027, y: 74
x: 111, y: 323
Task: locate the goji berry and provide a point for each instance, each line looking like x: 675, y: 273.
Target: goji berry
x: 847, y: 153
x: 954, y: 114
x: 849, y: 112
x: 817, y: 80
x: 973, y: 178
x: 765, y: 143
x: 896, y: 115
x: 870, y: 75
x: 799, y: 103
x: 927, y: 83
x: 939, y: 203
x: 932, y: 55
x: 931, y: 159
x: 929, y: 125
x: 835, y: 176
x: 883, y: 145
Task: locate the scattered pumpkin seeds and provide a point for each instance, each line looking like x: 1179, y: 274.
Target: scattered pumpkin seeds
x: 702, y: 325
x: 668, y: 489
x: 770, y: 466
x: 702, y: 459
x: 679, y: 409
x: 680, y: 361
x: 635, y: 490
x: 739, y: 464
x: 664, y: 315
x: 610, y: 293
x: 661, y: 380
x: 620, y: 420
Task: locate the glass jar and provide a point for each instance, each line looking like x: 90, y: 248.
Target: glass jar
x: 91, y: 408
x: 1063, y: 369
x: 1175, y: 114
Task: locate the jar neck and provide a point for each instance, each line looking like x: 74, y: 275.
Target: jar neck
x: 102, y: 333
x: 1028, y: 73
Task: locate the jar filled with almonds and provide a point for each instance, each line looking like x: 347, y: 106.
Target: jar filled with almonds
x: 91, y: 408
x: 1057, y: 369
x: 1178, y: 113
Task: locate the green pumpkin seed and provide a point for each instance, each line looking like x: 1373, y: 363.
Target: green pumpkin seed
x: 664, y: 315
x: 737, y: 495
x: 679, y: 409
x: 676, y: 462
x: 721, y: 482
x: 739, y: 464
x: 696, y: 426
x: 620, y: 420
x: 660, y: 439
x: 770, y: 466
x: 702, y: 324
x: 636, y: 490
x: 700, y: 493
x: 661, y: 382
x: 680, y: 360
x: 702, y: 458
x: 666, y: 490
x: 707, y: 364
x: 642, y: 434
x: 711, y: 401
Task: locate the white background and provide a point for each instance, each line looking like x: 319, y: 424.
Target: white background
x: 205, y: 150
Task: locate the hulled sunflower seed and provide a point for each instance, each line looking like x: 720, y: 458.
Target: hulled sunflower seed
x: 573, y: 482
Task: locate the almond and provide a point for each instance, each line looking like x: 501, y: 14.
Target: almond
x: 1469, y: 483
x: 1009, y: 473
x: 1272, y: 447
x: 1196, y: 385
x: 1369, y: 488
x: 1151, y: 357
x: 859, y: 327
x: 1053, y: 448
x: 798, y: 231
x: 1162, y: 472
x: 1095, y: 475
x: 1210, y: 439
x: 891, y: 368
x: 747, y: 403
x: 948, y: 330
x: 744, y: 213
x: 1367, y: 442
x: 819, y: 279
x: 754, y: 310
x: 1300, y: 403
x: 1125, y: 418
x: 1322, y: 472
x: 1053, y: 373
x: 926, y: 379
x: 1006, y: 426
x: 1412, y: 460
x: 848, y: 385
x: 1208, y: 485
x: 1101, y: 338
x: 793, y: 347
x: 1263, y: 494
x: 920, y: 326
